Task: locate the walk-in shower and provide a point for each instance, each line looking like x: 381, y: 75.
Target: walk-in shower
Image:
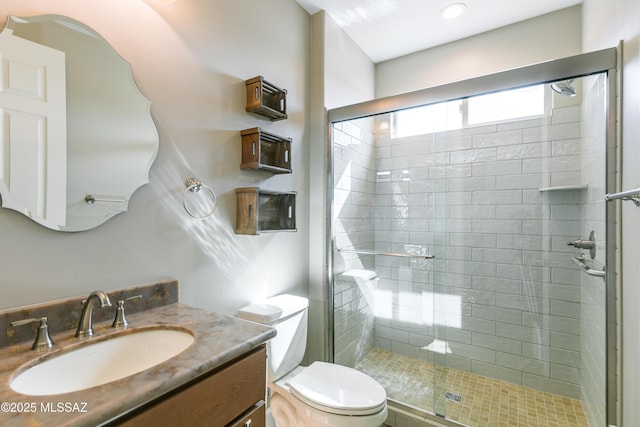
x: 472, y: 249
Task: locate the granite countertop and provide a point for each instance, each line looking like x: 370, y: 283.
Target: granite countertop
x: 218, y: 339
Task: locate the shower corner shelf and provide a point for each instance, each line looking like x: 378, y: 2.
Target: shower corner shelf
x: 266, y: 99
x: 265, y: 151
x: 564, y: 188
x: 264, y: 211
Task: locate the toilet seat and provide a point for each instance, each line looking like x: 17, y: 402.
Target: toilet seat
x: 338, y: 390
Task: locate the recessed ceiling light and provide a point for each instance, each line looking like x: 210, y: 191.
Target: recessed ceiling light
x: 453, y: 10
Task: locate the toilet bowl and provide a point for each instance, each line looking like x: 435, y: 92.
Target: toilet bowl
x: 322, y: 394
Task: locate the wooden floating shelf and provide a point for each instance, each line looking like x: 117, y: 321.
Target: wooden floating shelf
x: 266, y: 99
x: 264, y: 211
x: 265, y: 151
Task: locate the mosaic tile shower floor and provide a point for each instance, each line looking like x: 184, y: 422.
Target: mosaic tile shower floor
x: 485, y: 402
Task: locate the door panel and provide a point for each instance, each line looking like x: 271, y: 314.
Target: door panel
x: 33, y: 129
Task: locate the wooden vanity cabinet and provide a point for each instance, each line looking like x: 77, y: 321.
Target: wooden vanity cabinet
x: 231, y: 396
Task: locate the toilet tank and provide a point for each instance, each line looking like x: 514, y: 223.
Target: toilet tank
x: 288, y: 314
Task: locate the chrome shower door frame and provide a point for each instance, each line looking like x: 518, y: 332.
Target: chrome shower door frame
x: 603, y: 61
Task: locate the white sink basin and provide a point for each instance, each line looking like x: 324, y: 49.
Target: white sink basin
x: 101, y: 362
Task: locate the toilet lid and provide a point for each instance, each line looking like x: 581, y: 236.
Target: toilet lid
x: 338, y: 389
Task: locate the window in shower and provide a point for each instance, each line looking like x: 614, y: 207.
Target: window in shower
x: 501, y: 309
x: 508, y: 105
x: 427, y: 119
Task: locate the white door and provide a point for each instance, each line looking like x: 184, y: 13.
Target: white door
x: 33, y: 128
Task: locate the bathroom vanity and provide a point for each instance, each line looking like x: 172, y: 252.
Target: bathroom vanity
x: 219, y: 379
x: 232, y: 395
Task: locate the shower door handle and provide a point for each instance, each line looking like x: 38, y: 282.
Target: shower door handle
x: 393, y: 254
x: 632, y: 195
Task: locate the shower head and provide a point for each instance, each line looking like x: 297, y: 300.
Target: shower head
x: 564, y: 87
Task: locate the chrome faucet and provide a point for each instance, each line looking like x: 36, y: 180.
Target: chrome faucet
x: 85, y: 329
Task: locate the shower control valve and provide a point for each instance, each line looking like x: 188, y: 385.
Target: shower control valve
x: 582, y: 244
x: 590, y: 244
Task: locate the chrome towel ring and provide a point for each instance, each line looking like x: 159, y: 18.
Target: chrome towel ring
x: 194, y: 185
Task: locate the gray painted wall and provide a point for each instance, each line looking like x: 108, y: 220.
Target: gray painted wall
x: 547, y: 37
x: 190, y: 58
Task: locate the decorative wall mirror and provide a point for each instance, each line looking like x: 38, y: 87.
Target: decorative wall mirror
x: 76, y: 134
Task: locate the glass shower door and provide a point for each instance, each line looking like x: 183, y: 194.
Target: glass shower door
x: 382, y: 277
x: 469, y: 243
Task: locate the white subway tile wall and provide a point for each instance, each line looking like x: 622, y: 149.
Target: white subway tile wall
x: 354, y: 225
x: 593, y: 296
x: 475, y: 201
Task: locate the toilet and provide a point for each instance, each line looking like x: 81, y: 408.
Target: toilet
x: 322, y: 394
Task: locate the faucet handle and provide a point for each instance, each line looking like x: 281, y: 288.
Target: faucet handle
x: 121, y: 320
x: 43, y: 339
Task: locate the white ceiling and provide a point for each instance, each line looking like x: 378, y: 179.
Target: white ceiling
x: 386, y: 29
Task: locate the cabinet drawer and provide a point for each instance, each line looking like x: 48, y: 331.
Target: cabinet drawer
x: 255, y: 418
x: 216, y: 400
